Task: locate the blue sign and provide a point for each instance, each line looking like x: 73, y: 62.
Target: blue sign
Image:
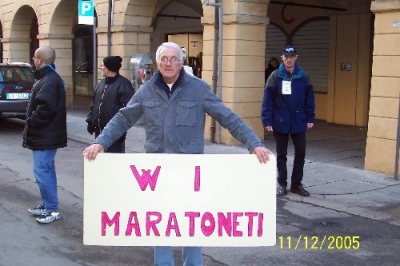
x: 85, y: 12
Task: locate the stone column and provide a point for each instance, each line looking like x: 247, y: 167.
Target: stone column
x: 243, y: 56
x: 62, y: 43
x: 385, y: 88
x: 16, y: 49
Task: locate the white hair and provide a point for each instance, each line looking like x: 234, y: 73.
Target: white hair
x: 169, y: 45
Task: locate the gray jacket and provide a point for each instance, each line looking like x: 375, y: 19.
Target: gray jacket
x: 175, y: 119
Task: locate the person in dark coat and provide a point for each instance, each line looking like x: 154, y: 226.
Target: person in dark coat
x: 273, y: 64
x: 46, y: 131
x: 111, y: 94
x: 288, y: 110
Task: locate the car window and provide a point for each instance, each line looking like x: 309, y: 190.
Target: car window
x: 16, y: 74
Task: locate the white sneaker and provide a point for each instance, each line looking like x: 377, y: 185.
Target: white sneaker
x: 38, y: 210
x: 48, y: 217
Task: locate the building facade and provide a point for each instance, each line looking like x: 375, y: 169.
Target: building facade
x: 347, y: 46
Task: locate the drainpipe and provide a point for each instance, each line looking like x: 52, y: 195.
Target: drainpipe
x: 94, y: 59
x: 110, y: 12
x: 396, y: 160
x: 217, y: 40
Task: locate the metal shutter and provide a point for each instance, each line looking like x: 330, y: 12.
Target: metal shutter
x: 312, y: 44
x: 275, y: 41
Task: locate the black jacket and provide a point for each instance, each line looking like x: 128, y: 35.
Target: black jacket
x: 46, y: 124
x: 111, y: 94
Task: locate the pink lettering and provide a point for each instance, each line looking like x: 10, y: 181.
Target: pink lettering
x: 207, y: 224
x: 146, y: 178
x: 225, y: 222
x: 152, y: 224
x: 250, y: 223
x: 133, y: 225
x: 197, y: 178
x: 172, y: 225
x: 236, y: 224
x: 191, y: 216
x: 105, y: 220
x: 260, y: 224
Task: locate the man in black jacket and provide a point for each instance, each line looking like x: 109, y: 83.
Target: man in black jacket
x: 112, y: 93
x: 46, y: 131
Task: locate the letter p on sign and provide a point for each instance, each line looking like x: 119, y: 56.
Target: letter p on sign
x: 85, y: 12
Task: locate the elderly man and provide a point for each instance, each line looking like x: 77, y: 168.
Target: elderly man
x: 46, y: 131
x: 173, y: 104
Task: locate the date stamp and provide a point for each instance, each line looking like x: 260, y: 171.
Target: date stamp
x: 325, y: 242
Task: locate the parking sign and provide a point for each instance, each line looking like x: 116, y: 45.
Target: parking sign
x: 85, y: 12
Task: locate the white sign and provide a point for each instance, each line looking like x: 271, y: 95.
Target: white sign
x: 179, y: 200
x: 85, y: 12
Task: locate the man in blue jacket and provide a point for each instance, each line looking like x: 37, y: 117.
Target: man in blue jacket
x: 288, y: 110
x: 173, y: 104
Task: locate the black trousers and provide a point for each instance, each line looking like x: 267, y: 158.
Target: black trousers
x: 116, y: 147
x: 299, y: 142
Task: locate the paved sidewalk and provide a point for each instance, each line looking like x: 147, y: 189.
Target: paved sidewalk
x: 333, y: 171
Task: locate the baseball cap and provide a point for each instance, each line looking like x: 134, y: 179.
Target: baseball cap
x: 289, y: 50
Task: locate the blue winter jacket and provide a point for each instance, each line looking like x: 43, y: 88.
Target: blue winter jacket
x: 288, y: 113
x: 175, y: 119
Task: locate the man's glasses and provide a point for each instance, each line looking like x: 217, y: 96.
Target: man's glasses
x: 172, y: 60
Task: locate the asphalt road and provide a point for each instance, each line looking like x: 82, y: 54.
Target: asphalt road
x: 306, y: 234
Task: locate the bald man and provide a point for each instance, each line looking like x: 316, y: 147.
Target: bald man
x: 46, y: 131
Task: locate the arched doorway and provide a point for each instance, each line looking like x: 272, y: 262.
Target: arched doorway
x: 84, y: 64
x: 83, y: 54
x: 33, y: 35
x: 24, y: 31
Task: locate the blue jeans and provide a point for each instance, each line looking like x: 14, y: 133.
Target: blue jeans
x: 45, y: 174
x: 191, y: 256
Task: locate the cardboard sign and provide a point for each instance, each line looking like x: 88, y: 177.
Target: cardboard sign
x: 179, y: 200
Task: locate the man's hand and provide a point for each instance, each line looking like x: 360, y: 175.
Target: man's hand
x: 269, y: 128
x: 310, y: 125
x: 262, y: 154
x: 91, y: 152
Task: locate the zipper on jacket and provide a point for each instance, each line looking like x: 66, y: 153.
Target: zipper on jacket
x: 100, y: 104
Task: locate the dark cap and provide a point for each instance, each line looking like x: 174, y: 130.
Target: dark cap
x: 289, y: 50
x: 113, y: 63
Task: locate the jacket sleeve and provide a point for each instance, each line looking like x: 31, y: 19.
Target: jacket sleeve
x: 46, y: 104
x: 126, y: 92
x: 268, y: 100
x: 89, y: 117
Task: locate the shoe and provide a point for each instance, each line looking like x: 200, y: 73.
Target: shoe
x: 48, y: 217
x: 300, y: 190
x: 37, y: 211
x: 281, y: 191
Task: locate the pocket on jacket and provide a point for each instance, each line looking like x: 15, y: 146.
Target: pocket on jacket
x: 151, y: 147
x: 152, y: 112
x: 186, y: 113
x: 301, y: 117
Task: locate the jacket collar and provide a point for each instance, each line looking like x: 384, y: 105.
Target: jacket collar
x: 284, y: 74
x: 161, y: 83
x: 42, y: 71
